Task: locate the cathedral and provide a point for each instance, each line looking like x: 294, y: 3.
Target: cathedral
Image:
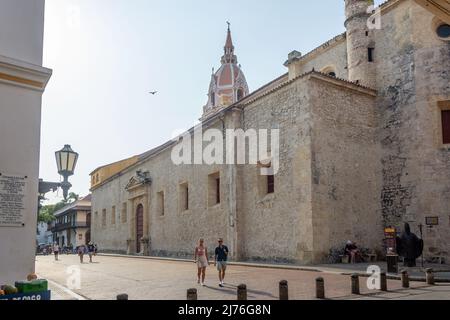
x: 364, y: 145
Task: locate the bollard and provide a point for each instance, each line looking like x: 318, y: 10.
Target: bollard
x: 383, y: 281
x: 320, y: 288
x: 430, y: 276
x: 284, y: 290
x: 405, y: 279
x: 242, y: 292
x: 192, y: 294
x: 355, y: 284
x: 123, y: 296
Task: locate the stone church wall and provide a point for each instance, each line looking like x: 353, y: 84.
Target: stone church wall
x: 413, y: 73
x: 346, y: 171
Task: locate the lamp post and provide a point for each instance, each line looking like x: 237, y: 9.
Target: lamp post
x: 66, y: 161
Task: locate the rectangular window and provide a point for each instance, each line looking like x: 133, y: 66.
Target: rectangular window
x: 124, y: 213
x: 213, y: 189
x: 113, y: 215
x: 160, y: 200
x: 104, y: 218
x: 371, y: 52
x: 184, y: 196
x: 218, y: 190
x: 270, y: 184
x: 446, y: 126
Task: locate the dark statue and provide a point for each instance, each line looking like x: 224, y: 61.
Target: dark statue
x: 409, y: 246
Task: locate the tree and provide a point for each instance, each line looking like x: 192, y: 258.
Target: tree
x: 47, y: 213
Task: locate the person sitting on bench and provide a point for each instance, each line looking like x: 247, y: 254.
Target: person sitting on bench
x: 353, y: 252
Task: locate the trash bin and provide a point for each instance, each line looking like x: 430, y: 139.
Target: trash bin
x: 392, y: 263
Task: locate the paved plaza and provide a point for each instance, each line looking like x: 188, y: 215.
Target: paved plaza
x: 150, y: 279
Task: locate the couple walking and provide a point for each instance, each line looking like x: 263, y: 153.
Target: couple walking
x: 202, y: 260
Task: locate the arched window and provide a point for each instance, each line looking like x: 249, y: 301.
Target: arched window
x: 240, y: 94
x: 443, y: 31
x: 329, y: 71
x: 213, y: 99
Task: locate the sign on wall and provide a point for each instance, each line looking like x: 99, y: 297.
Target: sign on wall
x: 432, y: 221
x: 12, y: 200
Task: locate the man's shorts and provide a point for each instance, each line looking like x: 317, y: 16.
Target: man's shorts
x: 221, y: 265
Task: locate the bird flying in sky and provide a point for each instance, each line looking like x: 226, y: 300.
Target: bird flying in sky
x: 153, y: 92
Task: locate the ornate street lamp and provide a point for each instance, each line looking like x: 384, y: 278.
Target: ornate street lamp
x: 66, y: 160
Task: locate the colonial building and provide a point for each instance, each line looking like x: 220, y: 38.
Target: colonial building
x: 73, y: 224
x: 364, y: 122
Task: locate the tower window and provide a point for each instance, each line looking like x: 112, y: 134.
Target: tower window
x: 446, y: 126
x: 240, y: 94
x: 371, y: 56
x: 213, y: 99
x: 443, y: 31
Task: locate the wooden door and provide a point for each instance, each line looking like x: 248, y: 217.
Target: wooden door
x: 139, y: 226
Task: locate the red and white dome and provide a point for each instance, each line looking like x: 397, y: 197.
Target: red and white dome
x: 228, y: 85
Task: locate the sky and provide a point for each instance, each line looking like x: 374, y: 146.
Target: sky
x: 107, y: 55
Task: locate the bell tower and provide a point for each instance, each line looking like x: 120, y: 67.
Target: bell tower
x: 228, y: 84
x: 361, y: 51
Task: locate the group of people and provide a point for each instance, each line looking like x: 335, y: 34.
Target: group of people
x: 201, y: 258
x: 90, y: 249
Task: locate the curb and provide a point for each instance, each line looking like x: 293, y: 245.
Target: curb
x: 241, y: 264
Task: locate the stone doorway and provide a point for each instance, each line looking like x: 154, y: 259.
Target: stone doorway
x: 139, y: 226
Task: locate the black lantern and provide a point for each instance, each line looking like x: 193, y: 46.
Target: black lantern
x: 66, y: 160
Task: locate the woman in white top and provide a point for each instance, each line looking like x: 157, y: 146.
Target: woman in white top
x: 201, y: 259
x: 56, y: 250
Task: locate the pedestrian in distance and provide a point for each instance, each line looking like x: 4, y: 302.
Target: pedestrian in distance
x: 81, y: 252
x: 201, y: 259
x: 56, y: 250
x: 220, y: 260
x: 91, y: 251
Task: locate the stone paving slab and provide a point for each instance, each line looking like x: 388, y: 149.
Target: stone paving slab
x: 151, y: 279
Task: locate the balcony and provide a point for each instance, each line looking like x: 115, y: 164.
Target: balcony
x: 65, y: 226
